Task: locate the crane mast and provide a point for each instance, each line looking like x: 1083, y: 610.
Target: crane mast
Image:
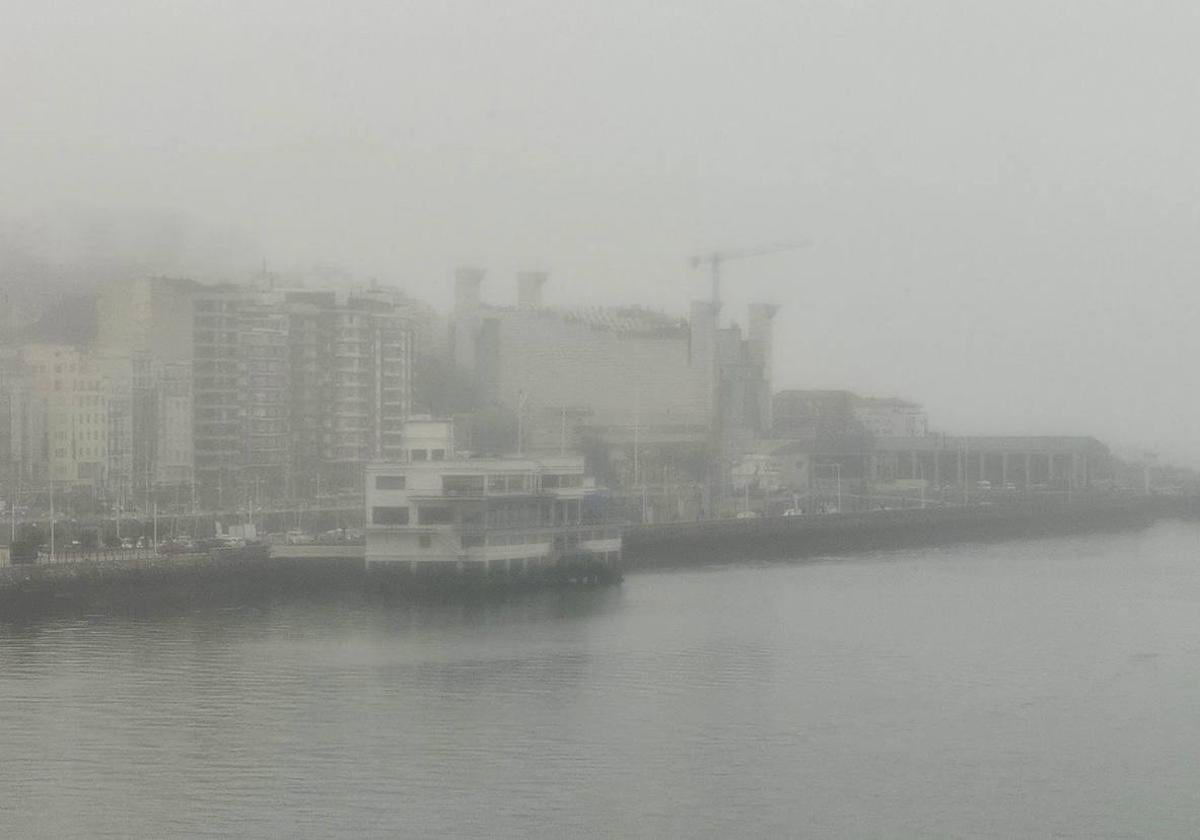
x: 714, y: 260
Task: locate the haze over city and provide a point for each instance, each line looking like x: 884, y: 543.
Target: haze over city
x: 551, y: 419
x: 999, y: 200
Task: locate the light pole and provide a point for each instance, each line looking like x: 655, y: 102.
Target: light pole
x: 837, y: 472
x: 51, y: 520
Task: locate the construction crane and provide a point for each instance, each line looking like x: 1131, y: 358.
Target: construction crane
x: 716, y: 259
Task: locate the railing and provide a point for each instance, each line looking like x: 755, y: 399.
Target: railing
x: 105, y: 555
x: 562, y: 536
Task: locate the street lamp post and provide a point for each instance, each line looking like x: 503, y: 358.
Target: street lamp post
x: 837, y: 471
x: 51, y: 520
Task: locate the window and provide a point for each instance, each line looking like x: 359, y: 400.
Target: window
x: 462, y: 485
x: 389, y: 516
x: 436, y: 516
x: 419, y: 455
x: 426, y: 541
x: 437, y: 454
x: 569, y: 480
x: 390, y: 482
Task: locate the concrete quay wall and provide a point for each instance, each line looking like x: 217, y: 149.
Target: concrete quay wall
x: 241, y: 577
x: 676, y: 544
x: 175, y: 581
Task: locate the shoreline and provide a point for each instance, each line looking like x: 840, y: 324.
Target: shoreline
x: 218, y: 579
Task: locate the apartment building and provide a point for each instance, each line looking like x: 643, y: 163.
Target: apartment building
x: 351, y: 359
x: 240, y: 394
x: 295, y: 391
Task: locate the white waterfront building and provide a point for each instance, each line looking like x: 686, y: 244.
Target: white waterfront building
x: 510, y: 516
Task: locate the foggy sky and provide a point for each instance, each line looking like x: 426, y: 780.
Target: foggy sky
x: 1000, y: 196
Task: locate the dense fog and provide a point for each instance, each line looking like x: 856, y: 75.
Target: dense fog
x: 998, y: 198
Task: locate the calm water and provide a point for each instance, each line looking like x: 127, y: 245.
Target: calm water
x: 1038, y: 689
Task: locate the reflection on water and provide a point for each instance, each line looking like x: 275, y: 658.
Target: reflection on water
x: 1045, y: 688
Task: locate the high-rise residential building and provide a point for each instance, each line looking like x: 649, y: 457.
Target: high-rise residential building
x: 248, y: 393
x: 265, y: 389
x: 239, y: 389
x: 351, y: 360
x: 295, y: 391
